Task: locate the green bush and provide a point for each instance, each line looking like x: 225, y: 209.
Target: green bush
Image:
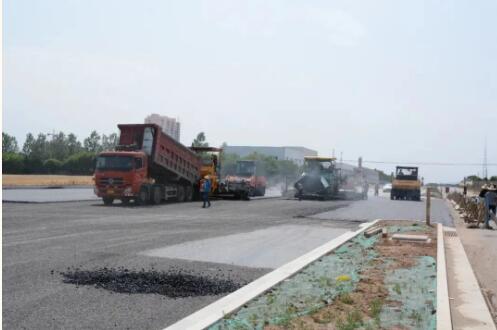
x: 80, y: 163
x: 52, y: 166
x: 12, y: 163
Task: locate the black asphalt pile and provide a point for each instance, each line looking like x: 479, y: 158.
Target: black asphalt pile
x: 173, y: 283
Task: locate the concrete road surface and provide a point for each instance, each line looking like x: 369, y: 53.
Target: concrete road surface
x: 44, y: 195
x: 239, y: 240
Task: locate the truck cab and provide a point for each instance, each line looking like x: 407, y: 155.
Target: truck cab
x: 120, y: 175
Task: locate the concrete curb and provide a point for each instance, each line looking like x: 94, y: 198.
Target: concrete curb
x: 444, y: 320
x: 210, y: 314
x: 470, y: 309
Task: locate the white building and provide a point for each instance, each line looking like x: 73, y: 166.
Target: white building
x: 294, y: 154
x: 169, y: 125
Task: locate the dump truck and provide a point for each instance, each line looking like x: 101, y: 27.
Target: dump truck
x: 248, y: 180
x: 148, y: 166
x: 406, y: 184
x: 321, y: 179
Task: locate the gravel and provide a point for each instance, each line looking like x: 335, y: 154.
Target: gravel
x: 173, y: 283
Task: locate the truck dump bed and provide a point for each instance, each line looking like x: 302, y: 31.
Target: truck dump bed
x: 169, y: 160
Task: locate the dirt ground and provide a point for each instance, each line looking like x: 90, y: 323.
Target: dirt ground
x: 348, y: 311
x: 14, y: 180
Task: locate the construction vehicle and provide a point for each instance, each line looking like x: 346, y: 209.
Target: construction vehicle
x: 248, y: 180
x: 148, y: 166
x: 321, y: 179
x: 211, y: 166
x: 406, y: 184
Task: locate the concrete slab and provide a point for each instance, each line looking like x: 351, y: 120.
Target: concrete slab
x: 40, y: 195
x: 406, y: 237
x: 215, y: 311
x: 265, y: 248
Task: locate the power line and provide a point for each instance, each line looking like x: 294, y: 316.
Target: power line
x: 422, y: 163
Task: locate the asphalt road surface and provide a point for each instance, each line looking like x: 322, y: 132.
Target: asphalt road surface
x: 235, y: 240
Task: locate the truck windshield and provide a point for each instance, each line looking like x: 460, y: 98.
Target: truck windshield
x: 119, y: 163
x: 245, y: 168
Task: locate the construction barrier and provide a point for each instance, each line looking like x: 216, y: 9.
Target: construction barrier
x: 471, y: 209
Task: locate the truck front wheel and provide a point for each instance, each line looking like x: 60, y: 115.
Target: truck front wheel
x: 156, y: 195
x: 108, y: 200
x: 142, y: 197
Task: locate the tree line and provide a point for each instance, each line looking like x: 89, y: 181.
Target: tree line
x: 56, y: 153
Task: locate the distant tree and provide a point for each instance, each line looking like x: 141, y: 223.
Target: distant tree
x: 27, y: 148
x: 12, y: 163
x: 493, y: 178
x: 92, y: 143
x: 73, y: 145
x: 58, y: 146
x: 109, y: 142
x: 9, y: 143
x: 199, y: 141
x: 474, y: 178
x: 40, y: 148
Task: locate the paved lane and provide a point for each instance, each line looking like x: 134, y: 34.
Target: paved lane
x: 384, y: 208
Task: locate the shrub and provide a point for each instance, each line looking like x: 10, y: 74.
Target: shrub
x: 12, y: 163
x: 80, y: 163
x: 52, y: 166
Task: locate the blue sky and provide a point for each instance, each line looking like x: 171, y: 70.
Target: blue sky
x: 386, y: 80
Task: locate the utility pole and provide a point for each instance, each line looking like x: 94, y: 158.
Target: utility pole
x: 484, y: 169
x: 428, y: 205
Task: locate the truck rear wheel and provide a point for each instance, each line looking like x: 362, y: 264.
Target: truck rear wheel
x: 180, y: 194
x: 108, y: 200
x: 156, y: 197
x: 189, y: 193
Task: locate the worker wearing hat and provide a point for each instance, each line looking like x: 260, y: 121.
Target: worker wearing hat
x: 490, y: 198
x: 205, y: 188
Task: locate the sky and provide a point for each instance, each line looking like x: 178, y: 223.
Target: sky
x: 399, y: 81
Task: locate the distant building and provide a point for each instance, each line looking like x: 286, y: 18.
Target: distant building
x: 294, y: 154
x: 372, y: 176
x: 169, y: 125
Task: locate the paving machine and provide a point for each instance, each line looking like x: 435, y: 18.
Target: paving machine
x: 321, y: 179
x: 406, y: 184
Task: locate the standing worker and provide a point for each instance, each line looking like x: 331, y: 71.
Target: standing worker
x: 205, y: 188
x: 490, y: 204
x: 376, y: 189
x: 365, y: 189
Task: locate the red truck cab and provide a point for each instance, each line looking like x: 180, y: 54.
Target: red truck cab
x: 120, y: 175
